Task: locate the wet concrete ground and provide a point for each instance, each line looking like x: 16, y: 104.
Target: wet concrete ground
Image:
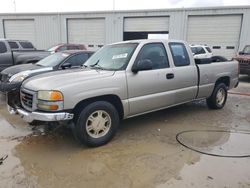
x: 144, y: 153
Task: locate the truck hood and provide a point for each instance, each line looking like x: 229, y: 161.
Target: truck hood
x: 19, y: 68
x: 61, y: 79
x: 243, y: 57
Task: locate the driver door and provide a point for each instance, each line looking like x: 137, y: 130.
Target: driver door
x: 149, y: 90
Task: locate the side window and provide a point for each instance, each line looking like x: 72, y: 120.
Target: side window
x: 77, y: 60
x: 200, y: 50
x: 194, y: 50
x: 13, y: 45
x: 26, y: 45
x: 3, y: 48
x: 209, y: 50
x: 62, y: 48
x: 73, y: 48
x: 179, y: 53
x: 156, y: 53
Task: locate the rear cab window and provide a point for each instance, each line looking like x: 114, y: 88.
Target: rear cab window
x: 27, y: 45
x: 179, y: 54
x: 3, y: 48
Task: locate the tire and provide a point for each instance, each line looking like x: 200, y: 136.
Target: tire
x: 218, y: 98
x: 96, y: 124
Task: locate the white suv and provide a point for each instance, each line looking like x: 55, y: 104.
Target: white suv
x: 201, y: 51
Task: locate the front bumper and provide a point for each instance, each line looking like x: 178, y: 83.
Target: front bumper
x: 40, y: 116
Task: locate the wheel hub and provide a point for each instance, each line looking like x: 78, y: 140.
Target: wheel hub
x: 220, y: 97
x: 98, y: 124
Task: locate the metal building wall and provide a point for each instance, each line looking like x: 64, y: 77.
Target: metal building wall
x: 51, y: 28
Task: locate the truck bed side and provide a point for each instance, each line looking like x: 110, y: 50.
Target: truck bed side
x: 210, y: 73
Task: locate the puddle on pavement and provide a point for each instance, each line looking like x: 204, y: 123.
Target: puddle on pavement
x: 216, y: 142
x: 144, y: 153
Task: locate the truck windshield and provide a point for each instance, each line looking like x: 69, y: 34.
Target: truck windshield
x: 112, y: 57
x: 53, y: 60
x: 246, y: 50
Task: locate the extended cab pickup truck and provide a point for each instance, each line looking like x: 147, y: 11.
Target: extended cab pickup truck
x: 124, y: 80
x: 13, y: 52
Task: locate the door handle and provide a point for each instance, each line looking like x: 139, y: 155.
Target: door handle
x: 170, y: 76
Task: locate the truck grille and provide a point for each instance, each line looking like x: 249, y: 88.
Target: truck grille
x: 4, y: 78
x: 244, y: 63
x: 26, y: 99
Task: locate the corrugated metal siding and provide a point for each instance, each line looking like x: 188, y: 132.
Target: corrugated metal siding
x: 48, y: 29
x: 19, y: 29
x: 149, y: 24
x: 222, y: 31
x: 51, y: 28
x: 90, y: 32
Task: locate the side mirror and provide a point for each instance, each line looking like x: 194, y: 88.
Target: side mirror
x: 144, y: 64
x: 241, y: 53
x: 66, y: 65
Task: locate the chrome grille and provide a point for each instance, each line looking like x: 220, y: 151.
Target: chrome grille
x: 26, y: 99
x: 244, y: 63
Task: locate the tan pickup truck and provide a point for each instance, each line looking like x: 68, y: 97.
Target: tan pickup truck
x: 244, y: 60
x: 124, y: 80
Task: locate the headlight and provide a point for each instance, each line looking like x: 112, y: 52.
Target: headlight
x: 18, y: 78
x: 50, y: 95
x: 50, y: 100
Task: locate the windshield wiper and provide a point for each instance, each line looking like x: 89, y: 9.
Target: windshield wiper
x: 96, y: 65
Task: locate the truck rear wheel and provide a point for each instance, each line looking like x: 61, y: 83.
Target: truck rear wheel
x: 97, y: 124
x: 218, y: 98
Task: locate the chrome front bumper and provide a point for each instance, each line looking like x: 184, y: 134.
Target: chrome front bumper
x: 40, y: 116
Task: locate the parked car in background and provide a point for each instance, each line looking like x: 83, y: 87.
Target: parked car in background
x: 201, y: 51
x: 62, y: 47
x: 14, y: 52
x: 12, y: 77
x: 124, y: 80
x: 243, y: 58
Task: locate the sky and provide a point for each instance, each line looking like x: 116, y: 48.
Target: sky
x: 11, y: 6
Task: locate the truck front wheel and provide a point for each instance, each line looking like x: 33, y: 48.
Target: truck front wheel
x: 97, y: 124
x: 218, y: 98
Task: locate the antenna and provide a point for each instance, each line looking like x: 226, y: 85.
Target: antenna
x: 113, y: 5
x: 14, y: 2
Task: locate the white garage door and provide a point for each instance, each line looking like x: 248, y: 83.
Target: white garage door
x: 20, y: 30
x: 90, y: 32
x: 221, y: 33
x: 146, y: 24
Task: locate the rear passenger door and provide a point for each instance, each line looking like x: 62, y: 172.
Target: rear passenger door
x: 185, y: 73
x: 151, y: 89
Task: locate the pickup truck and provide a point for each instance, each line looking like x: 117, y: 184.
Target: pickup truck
x: 124, y: 80
x: 13, y: 52
x: 244, y: 60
